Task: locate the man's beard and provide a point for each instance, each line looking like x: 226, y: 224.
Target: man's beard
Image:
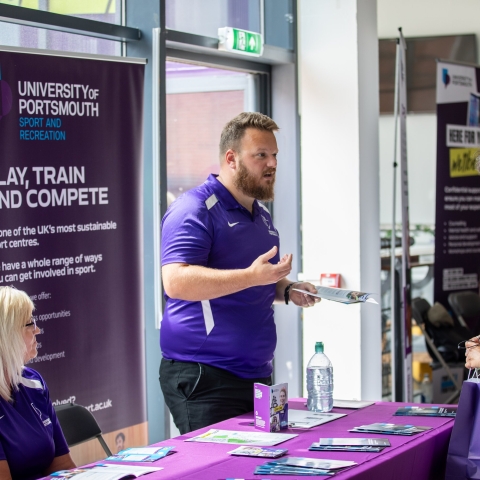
x: 249, y: 185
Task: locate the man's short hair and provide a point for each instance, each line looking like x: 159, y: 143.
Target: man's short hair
x: 234, y: 130
x: 120, y: 435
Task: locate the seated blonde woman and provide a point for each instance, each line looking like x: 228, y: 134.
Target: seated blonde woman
x: 31, y: 440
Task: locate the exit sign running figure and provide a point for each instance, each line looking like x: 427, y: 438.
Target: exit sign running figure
x: 240, y: 41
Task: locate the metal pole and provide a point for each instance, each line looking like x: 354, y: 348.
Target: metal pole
x: 393, y: 306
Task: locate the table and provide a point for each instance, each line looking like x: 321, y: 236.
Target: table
x: 419, y: 457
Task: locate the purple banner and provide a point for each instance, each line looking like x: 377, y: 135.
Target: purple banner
x: 70, y: 223
x: 457, y: 217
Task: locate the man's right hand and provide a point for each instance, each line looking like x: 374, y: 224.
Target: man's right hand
x: 265, y: 273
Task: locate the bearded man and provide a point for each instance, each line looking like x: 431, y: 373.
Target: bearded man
x: 221, y: 273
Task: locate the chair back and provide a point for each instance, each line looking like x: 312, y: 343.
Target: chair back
x: 466, y: 306
x: 79, y: 425
x: 420, y: 308
x: 445, y: 338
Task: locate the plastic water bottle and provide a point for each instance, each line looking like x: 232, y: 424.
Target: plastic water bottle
x: 319, y: 381
x: 427, y: 389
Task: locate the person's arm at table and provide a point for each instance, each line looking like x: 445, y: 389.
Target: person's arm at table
x: 62, y: 462
x: 197, y: 283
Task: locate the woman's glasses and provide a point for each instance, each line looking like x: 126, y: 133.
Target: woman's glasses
x: 33, y: 324
x: 462, y: 345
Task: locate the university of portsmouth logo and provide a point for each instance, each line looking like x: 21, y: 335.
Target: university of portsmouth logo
x: 39, y: 413
x: 445, y: 77
x: 271, y: 231
x: 265, y: 221
x: 6, y: 98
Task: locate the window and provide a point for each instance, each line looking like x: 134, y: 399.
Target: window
x: 31, y: 37
x: 200, y: 101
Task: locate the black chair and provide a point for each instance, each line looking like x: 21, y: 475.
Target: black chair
x: 79, y: 425
x: 466, y: 307
x: 442, y: 342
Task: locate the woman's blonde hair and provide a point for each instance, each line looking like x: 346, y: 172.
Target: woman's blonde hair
x: 15, y: 311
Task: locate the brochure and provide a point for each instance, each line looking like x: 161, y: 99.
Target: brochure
x: 350, y: 444
x: 270, y: 403
x: 302, y: 466
x: 355, y: 404
x: 316, y: 447
x: 427, y: 411
x: 314, y: 463
x: 105, y: 472
x: 307, y: 419
x: 280, y: 470
x: 390, y: 429
x: 341, y: 295
x: 379, y: 442
x: 245, y: 438
x: 147, y: 454
x: 259, y: 452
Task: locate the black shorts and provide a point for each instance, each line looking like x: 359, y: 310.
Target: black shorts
x: 199, y: 395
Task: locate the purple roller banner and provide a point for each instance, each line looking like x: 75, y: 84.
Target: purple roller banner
x: 70, y: 223
x: 457, y: 217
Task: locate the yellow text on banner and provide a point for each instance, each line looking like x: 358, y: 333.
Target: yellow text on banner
x: 462, y: 162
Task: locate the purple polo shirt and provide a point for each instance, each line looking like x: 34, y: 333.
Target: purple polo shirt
x: 206, y: 226
x: 30, y: 435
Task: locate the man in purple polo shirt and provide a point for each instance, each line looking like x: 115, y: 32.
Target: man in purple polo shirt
x: 222, y: 273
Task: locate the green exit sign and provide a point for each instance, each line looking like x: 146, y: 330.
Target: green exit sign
x: 240, y: 41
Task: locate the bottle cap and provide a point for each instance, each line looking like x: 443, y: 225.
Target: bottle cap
x: 319, y: 347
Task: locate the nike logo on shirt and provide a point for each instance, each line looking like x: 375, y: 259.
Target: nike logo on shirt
x: 232, y: 224
x: 2, y: 417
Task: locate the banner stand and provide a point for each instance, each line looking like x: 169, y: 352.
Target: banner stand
x: 401, y: 323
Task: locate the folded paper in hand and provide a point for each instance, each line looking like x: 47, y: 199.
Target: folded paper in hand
x: 341, y: 295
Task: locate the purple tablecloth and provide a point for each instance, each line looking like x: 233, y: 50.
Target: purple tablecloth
x: 419, y: 457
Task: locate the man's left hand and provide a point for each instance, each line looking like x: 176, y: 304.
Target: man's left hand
x: 302, y: 299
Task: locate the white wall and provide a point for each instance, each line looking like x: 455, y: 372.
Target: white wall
x: 421, y: 146
x: 418, y: 18
x: 421, y: 18
x: 338, y: 61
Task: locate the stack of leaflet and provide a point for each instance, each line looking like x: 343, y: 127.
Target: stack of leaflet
x: 313, y: 467
x: 432, y: 411
x: 350, y: 444
x: 390, y: 429
x: 247, y: 451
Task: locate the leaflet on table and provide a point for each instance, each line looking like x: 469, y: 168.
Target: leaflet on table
x: 307, y: 419
x: 314, y: 463
x: 105, y: 472
x: 246, y: 438
x: 302, y: 466
x: 339, y: 295
x: 350, y: 444
x: 280, y: 470
x: 316, y: 447
x: 147, y: 454
x: 390, y: 429
x: 427, y: 411
x: 354, y: 404
x: 382, y: 442
x: 270, y: 404
x: 259, y: 452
